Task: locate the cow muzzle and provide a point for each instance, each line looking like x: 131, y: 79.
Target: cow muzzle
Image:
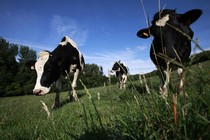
x: 41, y: 91
x: 38, y: 92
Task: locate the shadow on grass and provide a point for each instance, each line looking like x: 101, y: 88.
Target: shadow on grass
x: 67, y: 101
x: 94, y: 134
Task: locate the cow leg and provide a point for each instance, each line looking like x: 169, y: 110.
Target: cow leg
x: 74, y: 84
x: 162, y: 89
x: 162, y: 76
x: 57, y: 95
x: 121, y: 84
x: 165, y: 78
x: 180, y: 73
x: 120, y: 79
x: 124, y: 81
x: 70, y: 97
x: 180, y: 88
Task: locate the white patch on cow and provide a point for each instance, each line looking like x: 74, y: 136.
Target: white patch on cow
x: 32, y: 67
x: 39, y: 66
x: 179, y: 71
x: 162, y: 21
x: 123, y: 81
x: 118, y: 69
x: 74, y: 84
x: 112, y: 71
x: 80, y: 60
x: 70, y: 41
x: 73, y: 67
x: 124, y: 78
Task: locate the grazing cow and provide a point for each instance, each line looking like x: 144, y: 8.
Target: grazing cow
x: 172, y: 39
x: 121, y: 73
x: 50, y: 67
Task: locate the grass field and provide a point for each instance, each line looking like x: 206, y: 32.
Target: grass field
x: 119, y: 114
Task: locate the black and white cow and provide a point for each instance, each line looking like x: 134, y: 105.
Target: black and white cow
x: 172, y: 38
x: 50, y: 67
x: 121, y: 73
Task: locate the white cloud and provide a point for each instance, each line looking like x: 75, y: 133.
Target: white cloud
x: 142, y: 48
x: 34, y: 46
x: 67, y: 26
x: 106, y: 29
x: 127, y: 56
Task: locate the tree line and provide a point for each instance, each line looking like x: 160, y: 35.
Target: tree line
x: 16, y: 79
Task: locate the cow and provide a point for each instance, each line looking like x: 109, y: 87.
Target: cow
x: 121, y: 73
x: 50, y: 67
x: 172, y: 40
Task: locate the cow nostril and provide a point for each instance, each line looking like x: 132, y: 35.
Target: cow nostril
x: 37, y: 92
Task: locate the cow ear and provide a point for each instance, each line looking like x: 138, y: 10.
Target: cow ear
x: 190, y: 17
x: 31, y: 64
x: 143, y: 33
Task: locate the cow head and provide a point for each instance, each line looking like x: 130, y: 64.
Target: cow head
x: 47, y: 70
x: 116, y: 66
x: 172, y: 34
x: 119, y: 68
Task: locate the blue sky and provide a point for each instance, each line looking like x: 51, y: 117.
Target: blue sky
x: 104, y: 30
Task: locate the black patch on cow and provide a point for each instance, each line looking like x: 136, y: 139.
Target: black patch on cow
x: 63, y: 39
x: 67, y: 55
x: 51, y: 72
x: 121, y: 67
x: 169, y: 41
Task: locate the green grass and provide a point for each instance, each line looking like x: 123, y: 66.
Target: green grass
x: 119, y: 114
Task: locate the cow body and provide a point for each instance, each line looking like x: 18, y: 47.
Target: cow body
x: 50, y: 66
x: 121, y: 73
x: 172, y: 39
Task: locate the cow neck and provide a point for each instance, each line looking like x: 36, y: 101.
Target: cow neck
x: 57, y: 57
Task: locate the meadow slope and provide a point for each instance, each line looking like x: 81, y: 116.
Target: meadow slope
x: 118, y: 114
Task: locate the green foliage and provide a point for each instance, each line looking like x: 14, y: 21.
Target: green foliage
x: 8, y: 64
x: 93, y: 77
x: 26, y: 54
x: 25, y: 78
x: 200, y: 57
x: 15, y: 78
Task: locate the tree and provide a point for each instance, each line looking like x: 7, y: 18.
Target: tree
x: 93, y: 76
x: 26, y: 54
x: 25, y: 78
x: 15, y: 78
x: 8, y: 65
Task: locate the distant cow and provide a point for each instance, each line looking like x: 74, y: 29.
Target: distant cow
x: 65, y: 59
x: 121, y: 73
x: 172, y: 38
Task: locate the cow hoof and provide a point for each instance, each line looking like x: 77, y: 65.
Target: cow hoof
x: 55, y: 105
x: 76, y: 98
x: 71, y: 98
